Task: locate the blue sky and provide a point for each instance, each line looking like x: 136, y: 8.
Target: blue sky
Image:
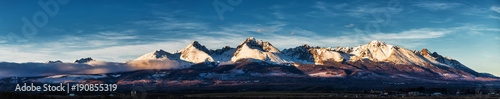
x: 107, y: 30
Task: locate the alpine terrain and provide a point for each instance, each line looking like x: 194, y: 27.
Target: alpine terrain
x: 256, y: 65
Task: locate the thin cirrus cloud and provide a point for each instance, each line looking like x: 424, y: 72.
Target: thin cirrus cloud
x: 423, y: 33
x: 495, y: 8
x: 359, y: 10
x: 279, y: 15
x: 110, y: 48
x: 326, y: 9
x: 437, y: 5
x: 169, y: 23
x: 278, y: 36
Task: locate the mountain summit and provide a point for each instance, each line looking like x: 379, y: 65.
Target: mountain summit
x: 257, y: 49
x: 158, y: 54
x: 196, y: 53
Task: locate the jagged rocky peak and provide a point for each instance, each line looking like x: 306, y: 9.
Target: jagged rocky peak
x: 198, y: 46
x: 257, y: 49
x: 304, y: 46
x: 424, y: 52
x: 436, y: 56
x: 220, y: 51
x: 250, y: 39
x: 302, y: 52
x: 344, y: 49
x: 195, y: 53
x: 227, y: 47
x: 84, y: 60
x: 160, y: 53
x: 251, y: 42
x: 434, y: 53
x: 377, y: 43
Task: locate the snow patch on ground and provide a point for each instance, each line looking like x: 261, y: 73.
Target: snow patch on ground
x: 325, y: 74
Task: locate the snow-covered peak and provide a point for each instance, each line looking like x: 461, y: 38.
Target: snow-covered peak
x: 250, y: 39
x: 196, y: 45
x: 301, y: 54
x: 424, y: 52
x: 221, y: 51
x: 158, y: 54
x: 258, y: 44
x: 258, y: 49
x: 376, y: 43
x: 195, y: 53
x: 375, y: 50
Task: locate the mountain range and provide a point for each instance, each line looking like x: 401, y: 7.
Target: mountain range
x: 376, y: 59
x: 256, y: 65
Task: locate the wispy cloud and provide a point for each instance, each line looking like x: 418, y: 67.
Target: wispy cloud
x: 495, y: 8
x: 364, y: 10
x: 443, y: 21
x: 3, y: 39
x: 277, y: 11
x: 278, y: 33
x: 327, y: 9
x: 423, y: 33
x: 360, y: 10
x: 437, y: 5
x: 279, y: 15
x: 349, y: 25
x: 169, y: 23
x: 494, y: 17
x: 113, y: 35
x: 325, y: 6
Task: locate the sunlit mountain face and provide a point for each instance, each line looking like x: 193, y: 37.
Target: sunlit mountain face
x: 248, y: 49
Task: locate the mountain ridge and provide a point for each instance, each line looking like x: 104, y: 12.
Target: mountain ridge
x: 376, y: 57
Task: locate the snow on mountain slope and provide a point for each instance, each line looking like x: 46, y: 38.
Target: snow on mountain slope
x: 379, y: 51
x: 257, y: 49
x: 322, y: 54
x: 159, y: 59
x: 195, y: 53
x: 368, y: 57
x: 300, y: 54
x: 405, y: 56
x: 375, y: 51
x: 158, y: 54
x: 222, y: 55
x: 447, y: 61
